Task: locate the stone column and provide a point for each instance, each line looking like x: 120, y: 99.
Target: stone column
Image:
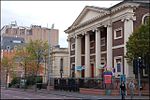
x: 98, y: 50
x: 128, y: 29
x: 77, y: 55
x: 69, y: 67
x: 87, y: 55
x: 109, y: 45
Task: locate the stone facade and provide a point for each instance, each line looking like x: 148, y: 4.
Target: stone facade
x: 98, y: 37
x: 59, y: 62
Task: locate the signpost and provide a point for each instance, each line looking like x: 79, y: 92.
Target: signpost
x: 108, y: 80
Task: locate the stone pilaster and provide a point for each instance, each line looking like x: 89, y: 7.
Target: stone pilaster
x: 87, y: 55
x: 109, y: 45
x: 98, y: 50
x: 69, y: 66
x: 128, y: 29
x: 77, y: 55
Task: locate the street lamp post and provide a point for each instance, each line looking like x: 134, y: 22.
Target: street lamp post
x: 139, y: 79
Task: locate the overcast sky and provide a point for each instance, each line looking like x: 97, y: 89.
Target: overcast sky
x: 61, y: 13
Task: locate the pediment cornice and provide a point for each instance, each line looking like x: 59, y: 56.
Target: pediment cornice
x: 107, y: 12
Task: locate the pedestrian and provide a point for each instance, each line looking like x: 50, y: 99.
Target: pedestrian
x: 123, y: 89
x: 131, y: 87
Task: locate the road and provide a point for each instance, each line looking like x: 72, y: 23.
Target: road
x: 13, y: 94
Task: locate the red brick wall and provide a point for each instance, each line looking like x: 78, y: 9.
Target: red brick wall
x: 116, y: 25
x: 118, y: 52
x: 139, y: 12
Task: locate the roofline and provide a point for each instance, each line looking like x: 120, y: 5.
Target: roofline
x: 130, y: 2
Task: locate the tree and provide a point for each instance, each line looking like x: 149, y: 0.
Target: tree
x: 139, y: 45
x: 31, y: 57
x: 139, y: 42
x: 37, y: 49
x: 7, y: 66
x: 23, y: 58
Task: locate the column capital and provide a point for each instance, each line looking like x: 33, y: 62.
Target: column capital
x: 77, y: 36
x: 83, y: 33
x: 86, y: 33
x: 108, y: 25
x: 133, y: 18
x: 96, y: 29
x: 68, y: 39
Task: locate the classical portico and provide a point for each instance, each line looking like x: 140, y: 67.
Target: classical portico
x: 98, y: 37
x: 93, y: 50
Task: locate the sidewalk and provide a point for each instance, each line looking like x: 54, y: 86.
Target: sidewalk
x: 79, y: 95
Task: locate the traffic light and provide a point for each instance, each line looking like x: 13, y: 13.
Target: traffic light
x: 135, y: 66
x: 141, y: 62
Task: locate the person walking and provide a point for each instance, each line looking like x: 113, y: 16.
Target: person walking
x: 131, y: 87
x: 123, y: 89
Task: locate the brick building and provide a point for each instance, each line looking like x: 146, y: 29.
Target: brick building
x: 13, y: 35
x: 34, y: 32
x: 98, y: 37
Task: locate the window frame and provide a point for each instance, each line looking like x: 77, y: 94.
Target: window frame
x: 144, y: 16
x: 72, y: 46
x: 115, y: 65
x: 115, y: 31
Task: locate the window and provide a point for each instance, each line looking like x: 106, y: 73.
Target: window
x: 118, y: 33
x: 22, y: 31
x: 61, y: 64
x: 29, y: 32
x: 103, y: 61
x: 118, y: 65
x: 103, y: 41
x: 145, y: 18
x: 73, y: 70
x: 73, y: 46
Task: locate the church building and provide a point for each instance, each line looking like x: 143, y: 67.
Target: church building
x: 98, y: 37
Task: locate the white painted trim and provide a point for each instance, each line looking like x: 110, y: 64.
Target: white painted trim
x: 92, y: 54
x: 147, y: 14
x: 72, y: 56
x: 118, y: 46
x: 102, y: 52
x: 72, y: 45
x: 118, y: 29
x: 144, y: 74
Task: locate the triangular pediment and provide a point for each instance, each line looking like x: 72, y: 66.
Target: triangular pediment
x: 88, y: 13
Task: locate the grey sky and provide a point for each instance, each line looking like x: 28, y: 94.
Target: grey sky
x: 61, y: 13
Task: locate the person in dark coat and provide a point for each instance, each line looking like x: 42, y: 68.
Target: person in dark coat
x: 123, y: 89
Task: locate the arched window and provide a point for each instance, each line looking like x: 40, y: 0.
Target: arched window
x: 145, y: 18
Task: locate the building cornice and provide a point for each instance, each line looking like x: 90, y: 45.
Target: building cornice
x: 101, y: 16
